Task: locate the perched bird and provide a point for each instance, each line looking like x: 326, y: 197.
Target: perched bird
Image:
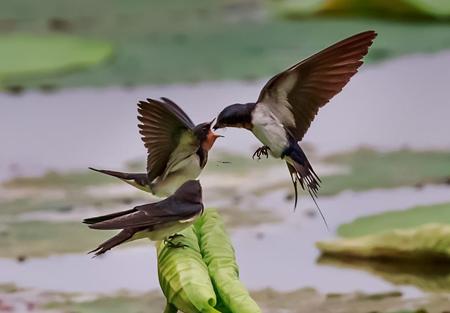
x: 156, y: 221
x: 290, y: 100
x: 177, y: 149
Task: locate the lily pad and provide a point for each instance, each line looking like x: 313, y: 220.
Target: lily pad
x: 393, y: 220
x: 426, y: 243
x: 25, y: 56
x: 404, y: 8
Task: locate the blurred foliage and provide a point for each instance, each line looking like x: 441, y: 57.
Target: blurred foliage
x: 438, y: 9
x: 425, y: 243
x: 30, y: 56
x: 186, y: 41
x: 392, y: 220
x: 372, y: 169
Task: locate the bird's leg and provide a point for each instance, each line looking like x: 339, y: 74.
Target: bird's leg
x: 261, y: 151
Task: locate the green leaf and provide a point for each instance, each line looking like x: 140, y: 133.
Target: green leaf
x: 218, y: 254
x: 183, y: 276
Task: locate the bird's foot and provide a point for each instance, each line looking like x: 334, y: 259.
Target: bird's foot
x: 174, y: 245
x: 261, y: 151
x: 174, y: 236
x: 169, y: 241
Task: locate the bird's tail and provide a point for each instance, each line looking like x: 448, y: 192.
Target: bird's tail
x: 302, y: 172
x: 121, y: 237
x: 102, y: 218
x: 138, y: 180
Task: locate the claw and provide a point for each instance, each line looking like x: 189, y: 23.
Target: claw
x: 169, y: 241
x: 172, y: 237
x: 261, y: 151
x: 177, y: 245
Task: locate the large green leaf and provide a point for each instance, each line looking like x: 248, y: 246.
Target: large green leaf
x: 203, y: 277
x: 184, y: 277
x: 24, y: 56
x: 218, y: 254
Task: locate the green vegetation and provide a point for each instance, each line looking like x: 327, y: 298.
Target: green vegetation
x: 36, y: 238
x: 439, y: 9
x: 428, y: 243
x: 186, y: 41
x: 371, y: 169
x: 30, y: 56
x: 392, y: 220
x: 203, y: 276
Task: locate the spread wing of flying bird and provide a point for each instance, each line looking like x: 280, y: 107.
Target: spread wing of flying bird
x: 296, y: 94
x: 163, y: 127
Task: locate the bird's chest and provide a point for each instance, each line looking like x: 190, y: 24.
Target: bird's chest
x: 182, y: 171
x: 269, y: 131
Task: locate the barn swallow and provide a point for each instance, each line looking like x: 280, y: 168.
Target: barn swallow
x: 177, y: 149
x: 157, y: 221
x: 290, y: 100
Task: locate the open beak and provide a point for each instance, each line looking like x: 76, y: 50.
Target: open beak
x: 210, y: 139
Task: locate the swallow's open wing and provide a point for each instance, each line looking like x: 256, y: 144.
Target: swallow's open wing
x: 163, y: 125
x: 149, y: 215
x: 295, y: 95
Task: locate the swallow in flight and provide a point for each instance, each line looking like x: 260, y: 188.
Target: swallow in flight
x: 290, y: 100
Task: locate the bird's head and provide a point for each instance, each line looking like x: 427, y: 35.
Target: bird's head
x: 205, y: 135
x: 236, y: 115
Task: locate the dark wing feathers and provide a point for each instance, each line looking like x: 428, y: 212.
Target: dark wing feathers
x: 152, y: 214
x: 311, y: 83
x: 162, y: 125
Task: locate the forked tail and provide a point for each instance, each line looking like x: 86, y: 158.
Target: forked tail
x: 138, y: 180
x: 121, y: 237
x: 302, y: 172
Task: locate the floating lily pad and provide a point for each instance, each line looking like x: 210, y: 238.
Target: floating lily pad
x: 403, y: 8
x: 426, y: 243
x: 393, y: 220
x: 25, y: 56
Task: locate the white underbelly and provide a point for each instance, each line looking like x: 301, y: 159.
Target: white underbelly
x: 269, y: 131
x: 185, y: 170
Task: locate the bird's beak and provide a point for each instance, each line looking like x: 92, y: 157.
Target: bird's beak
x: 210, y: 139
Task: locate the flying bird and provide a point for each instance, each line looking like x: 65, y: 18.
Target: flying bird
x: 177, y: 149
x: 290, y: 100
x: 157, y: 221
